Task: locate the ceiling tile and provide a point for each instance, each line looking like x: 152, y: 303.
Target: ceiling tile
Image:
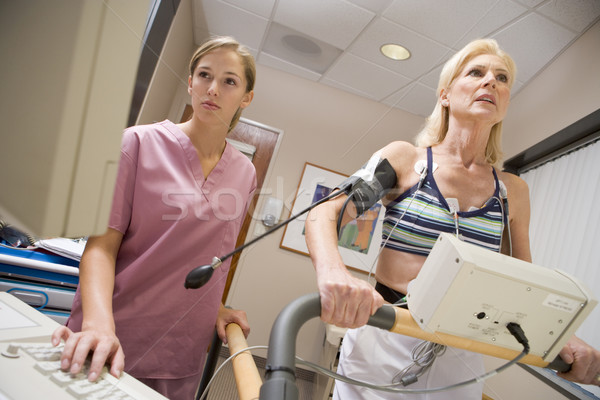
x: 444, y: 21
x: 533, y: 41
x: 346, y: 88
x: 286, y: 66
x: 287, y: 44
x: 501, y: 14
x: 376, y: 6
x: 224, y: 19
x: 333, y: 21
x: 417, y: 99
x: 432, y: 78
x: 530, y: 3
x: 534, y: 32
x: 264, y: 8
x: 366, y: 77
x: 575, y: 14
x: 425, y: 53
x: 517, y: 86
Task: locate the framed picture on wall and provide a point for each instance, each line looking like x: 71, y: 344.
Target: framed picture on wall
x: 358, y: 241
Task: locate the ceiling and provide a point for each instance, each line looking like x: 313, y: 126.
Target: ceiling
x: 336, y: 42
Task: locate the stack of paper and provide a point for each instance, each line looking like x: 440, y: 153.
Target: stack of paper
x: 70, y: 248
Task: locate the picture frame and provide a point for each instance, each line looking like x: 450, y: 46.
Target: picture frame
x: 359, y: 240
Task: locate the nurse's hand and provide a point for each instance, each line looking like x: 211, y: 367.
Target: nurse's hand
x: 227, y: 316
x: 105, y: 347
x: 346, y: 301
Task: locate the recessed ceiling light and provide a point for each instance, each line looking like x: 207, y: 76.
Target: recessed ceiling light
x: 395, y: 51
x: 301, y: 44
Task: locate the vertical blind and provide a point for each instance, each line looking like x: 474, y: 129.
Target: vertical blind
x: 565, y: 222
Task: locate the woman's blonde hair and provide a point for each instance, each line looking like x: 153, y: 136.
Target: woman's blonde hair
x: 436, y: 125
x: 246, y: 58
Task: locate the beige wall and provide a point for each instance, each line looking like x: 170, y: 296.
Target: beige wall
x: 323, y: 126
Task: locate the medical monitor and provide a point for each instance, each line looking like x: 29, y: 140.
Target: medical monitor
x: 468, y: 291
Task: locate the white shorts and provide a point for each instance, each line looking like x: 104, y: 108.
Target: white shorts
x: 373, y: 355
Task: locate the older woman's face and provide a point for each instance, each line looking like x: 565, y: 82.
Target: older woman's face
x: 481, y: 90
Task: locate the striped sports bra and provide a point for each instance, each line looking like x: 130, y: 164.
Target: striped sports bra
x: 415, y: 220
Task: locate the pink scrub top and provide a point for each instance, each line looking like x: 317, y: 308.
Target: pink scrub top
x: 173, y: 220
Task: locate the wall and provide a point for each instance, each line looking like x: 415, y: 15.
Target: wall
x: 323, y: 126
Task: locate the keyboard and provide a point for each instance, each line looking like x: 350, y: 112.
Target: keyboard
x: 30, y: 365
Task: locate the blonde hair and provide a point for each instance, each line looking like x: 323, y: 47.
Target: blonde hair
x: 436, y: 125
x: 246, y: 58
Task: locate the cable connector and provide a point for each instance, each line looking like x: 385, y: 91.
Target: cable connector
x: 517, y: 332
x: 409, y: 379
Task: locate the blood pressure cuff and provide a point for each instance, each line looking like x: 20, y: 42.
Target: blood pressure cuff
x: 370, y: 183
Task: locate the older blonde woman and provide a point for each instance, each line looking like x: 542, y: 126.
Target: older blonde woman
x: 448, y: 182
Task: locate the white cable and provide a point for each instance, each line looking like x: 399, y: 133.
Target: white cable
x: 351, y: 381
x: 423, y: 356
x: 386, y: 388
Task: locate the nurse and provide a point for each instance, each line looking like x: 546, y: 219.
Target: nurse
x: 181, y: 196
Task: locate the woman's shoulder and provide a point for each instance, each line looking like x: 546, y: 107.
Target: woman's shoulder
x: 402, y: 154
x: 400, y: 146
x: 142, y: 129
x: 147, y: 131
x: 512, y: 181
x: 237, y: 156
x: 516, y: 188
x: 148, y: 138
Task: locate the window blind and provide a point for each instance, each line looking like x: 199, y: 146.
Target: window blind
x: 565, y: 222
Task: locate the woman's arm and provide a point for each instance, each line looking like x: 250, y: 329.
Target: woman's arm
x: 96, y: 280
x: 346, y: 301
x: 584, y: 360
x: 519, y: 215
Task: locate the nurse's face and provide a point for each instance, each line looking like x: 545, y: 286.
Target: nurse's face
x: 218, y: 87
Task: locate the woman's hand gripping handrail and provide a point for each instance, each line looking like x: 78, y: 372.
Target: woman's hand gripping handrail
x: 280, y: 379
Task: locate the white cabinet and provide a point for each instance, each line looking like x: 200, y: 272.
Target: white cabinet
x: 68, y: 75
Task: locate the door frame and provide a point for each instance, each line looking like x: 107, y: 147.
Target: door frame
x: 255, y: 204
